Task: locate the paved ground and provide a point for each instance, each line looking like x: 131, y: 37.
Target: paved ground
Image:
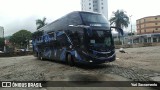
x: 147, y: 58
x: 138, y: 64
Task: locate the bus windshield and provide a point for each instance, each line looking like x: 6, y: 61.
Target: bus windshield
x: 94, y: 18
x: 100, y: 39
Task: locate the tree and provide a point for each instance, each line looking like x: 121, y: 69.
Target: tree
x: 37, y: 34
x: 120, y: 20
x: 21, y: 38
x: 1, y: 43
x: 40, y: 23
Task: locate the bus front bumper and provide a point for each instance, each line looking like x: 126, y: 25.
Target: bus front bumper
x: 92, y: 60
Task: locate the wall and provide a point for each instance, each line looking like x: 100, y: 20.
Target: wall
x: 148, y: 25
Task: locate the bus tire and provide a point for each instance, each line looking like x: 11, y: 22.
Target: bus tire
x: 40, y: 56
x: 70, y: 60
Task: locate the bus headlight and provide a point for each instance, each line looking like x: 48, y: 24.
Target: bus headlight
x: 90, y: 61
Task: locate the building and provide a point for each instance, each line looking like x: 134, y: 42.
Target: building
x: 148, y: 30
x: 1, y: 32
x: 148, y: 25
x: 100, y: 6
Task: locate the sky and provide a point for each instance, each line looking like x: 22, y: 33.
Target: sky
x: 22, y: 14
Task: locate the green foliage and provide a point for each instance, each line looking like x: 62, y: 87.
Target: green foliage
x: 40, y: 23
x: 21, y: 38
x: 37, y: 34
x: 7, y: 37
x: 120, y: 20
x: 2, y: 42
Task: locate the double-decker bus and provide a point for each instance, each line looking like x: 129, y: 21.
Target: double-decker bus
x: 78, y: 37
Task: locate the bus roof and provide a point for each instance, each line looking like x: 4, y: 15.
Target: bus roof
x: 63, y: 22
x: 66, y: 15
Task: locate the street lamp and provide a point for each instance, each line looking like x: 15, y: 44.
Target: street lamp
x: 3, y: 31
x: 4, y: 48
x: 131, y: 30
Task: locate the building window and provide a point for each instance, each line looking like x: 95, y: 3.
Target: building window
x: 102, y: 7
x: 144, y: 30
x: 156, y: 23
x: 102, y: 3
x: 89, y: 3
x: 89, y: 7
x: 155, y: 17
x: 156, y: 28
x: 95, y: 10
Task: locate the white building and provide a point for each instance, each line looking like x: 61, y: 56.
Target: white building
x: 100, y: 6
x: 1, y: 32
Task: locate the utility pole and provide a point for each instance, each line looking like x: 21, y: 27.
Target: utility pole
x: 4, y: 48
x: 131, y: 30
x: 3, y: 32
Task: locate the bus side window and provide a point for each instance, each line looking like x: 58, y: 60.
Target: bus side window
x: 77, y: 38
x: 63, y: 40
x: 51, y: 36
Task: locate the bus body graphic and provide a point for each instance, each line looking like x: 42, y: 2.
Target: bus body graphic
x: 82, y: 37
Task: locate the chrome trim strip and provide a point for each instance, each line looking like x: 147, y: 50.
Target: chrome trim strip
x: 102, y: 52
x: 101, y: 58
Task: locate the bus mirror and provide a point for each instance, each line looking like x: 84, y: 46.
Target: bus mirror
x: 120, y: 30
x: 113, y: 27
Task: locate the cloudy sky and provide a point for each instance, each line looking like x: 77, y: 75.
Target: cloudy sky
x: 21, y: 14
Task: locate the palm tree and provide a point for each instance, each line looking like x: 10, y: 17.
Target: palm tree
x: 40, y: 23
x: 120, y: 20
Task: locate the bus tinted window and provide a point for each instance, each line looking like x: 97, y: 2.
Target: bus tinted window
x: 63, y: 40
x: 51, y: 36
x: 100, y: 38
x: 76, y: 36
x: 90, y: 17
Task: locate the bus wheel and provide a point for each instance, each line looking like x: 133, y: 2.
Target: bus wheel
x: 40, y: 56
x: 70, y: 60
